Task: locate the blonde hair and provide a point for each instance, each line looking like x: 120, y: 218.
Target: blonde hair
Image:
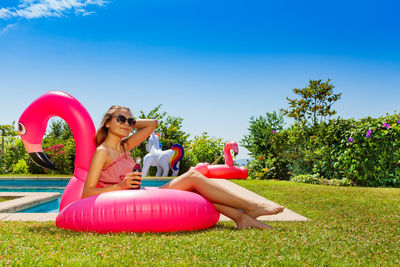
x: 102, y: 131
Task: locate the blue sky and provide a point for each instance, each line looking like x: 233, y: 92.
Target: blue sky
x: 214, y: 63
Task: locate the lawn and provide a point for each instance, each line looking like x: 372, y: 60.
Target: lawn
x: 349, y: 226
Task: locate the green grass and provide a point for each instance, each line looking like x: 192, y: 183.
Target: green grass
x: 349, y: 226
x: 5, y: 198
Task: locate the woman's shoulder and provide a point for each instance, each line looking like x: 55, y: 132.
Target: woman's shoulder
x: 101, y: 149
x: 102, y: 152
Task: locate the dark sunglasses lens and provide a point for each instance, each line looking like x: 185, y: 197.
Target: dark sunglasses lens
x: 131, y: 122
x: 121, y: 119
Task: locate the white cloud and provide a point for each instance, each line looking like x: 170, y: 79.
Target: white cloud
x: 31, y: 9
x: 87, y: 13
x: 7, y: 28
x: 4, y: 13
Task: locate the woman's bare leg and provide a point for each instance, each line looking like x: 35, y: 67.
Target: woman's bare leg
x: 242, y: 220
x: 215, y: 193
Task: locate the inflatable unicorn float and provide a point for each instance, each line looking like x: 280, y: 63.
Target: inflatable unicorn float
x: 144, y: 210
x: 162, y: 159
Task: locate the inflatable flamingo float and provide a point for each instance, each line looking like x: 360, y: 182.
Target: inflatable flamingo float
x: 144, y: 210
x: 224, y: 171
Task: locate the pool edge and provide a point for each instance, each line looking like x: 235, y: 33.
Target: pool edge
x: 25, y: 200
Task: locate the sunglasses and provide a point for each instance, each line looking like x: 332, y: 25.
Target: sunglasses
x: 122, y: 119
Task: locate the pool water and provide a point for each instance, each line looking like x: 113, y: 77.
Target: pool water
x: 51, y: 206
x: 33, y: 185
x: 51, y: 186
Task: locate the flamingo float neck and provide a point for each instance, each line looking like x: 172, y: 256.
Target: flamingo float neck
x: 32, y: 127
x: 60, y: 104
x: 227, y: 153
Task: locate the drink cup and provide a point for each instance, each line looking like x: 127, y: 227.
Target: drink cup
x: 138, y: 180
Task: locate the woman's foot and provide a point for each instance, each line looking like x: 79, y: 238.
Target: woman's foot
x: 246, y: 222
x: 264, y: 209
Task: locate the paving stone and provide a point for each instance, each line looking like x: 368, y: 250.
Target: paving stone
x: 286, y: 215
x: 24, y: 217
x: 4, y: 216
x: 48, y: 217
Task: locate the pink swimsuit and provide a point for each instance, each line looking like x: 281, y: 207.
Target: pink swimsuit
x: 116, y: 171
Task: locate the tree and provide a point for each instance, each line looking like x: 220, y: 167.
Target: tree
x: 59, y: 129
x: 265, y: 143
x: 261, y: 131
x: 208, y: 149
x: 315, y: 104
x: 59, y: 146
x: 169, y: 128
x: 7, y: 131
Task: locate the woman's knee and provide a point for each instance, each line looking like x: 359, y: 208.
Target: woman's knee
x: 193, y: 174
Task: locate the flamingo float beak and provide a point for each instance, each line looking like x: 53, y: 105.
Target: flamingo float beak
x: 42, y: 160
x: 35, y: 151
x: 232, y: 145
x: 235, y: 148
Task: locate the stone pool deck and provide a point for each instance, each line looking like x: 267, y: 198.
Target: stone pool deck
x: 286, y: 215
x: 21, y: 200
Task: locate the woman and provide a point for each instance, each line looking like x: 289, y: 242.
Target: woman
x: 111, y: 167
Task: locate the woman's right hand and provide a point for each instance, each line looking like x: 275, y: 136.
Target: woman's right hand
x: 132, y: 180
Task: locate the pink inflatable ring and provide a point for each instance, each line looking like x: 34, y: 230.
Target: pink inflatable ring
x: 151, y: 210
x: 144, y: 210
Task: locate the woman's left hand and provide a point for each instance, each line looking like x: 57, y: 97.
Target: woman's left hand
x: 133, y: 180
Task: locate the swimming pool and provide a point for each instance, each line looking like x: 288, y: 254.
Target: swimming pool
x: 51, y: 186
x: 33, y: 185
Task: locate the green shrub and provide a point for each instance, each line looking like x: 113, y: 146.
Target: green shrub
x: 13, y: 152
x: 266, y: 143
x: 60, y: 152
x: 306, y: 178
x: 59, y: 155
x: 337, y: 182
x: 188, y: 160
x: 365, y: 152
x: 20, y: 167
x: 257, y: 169
x: 315, y: 179
x: 207, y: 148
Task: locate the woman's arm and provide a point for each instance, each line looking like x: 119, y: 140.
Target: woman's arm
x: 90, y: 188
x: 145, y: 128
